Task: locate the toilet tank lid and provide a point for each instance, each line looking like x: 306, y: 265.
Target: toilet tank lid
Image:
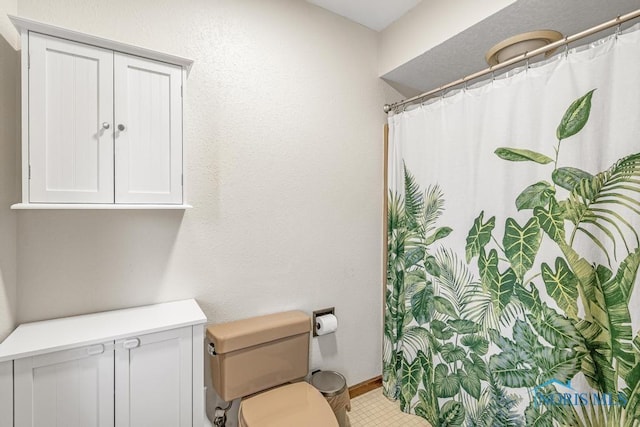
x: 239, y: 334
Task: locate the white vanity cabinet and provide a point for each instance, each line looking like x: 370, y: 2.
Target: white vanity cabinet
x: 6, y: 394
x: 153, y: 376
x: 72, y: 388
x: 126, y: 368
x: 102, y: 121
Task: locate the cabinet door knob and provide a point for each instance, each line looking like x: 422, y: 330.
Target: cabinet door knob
x: 105, y: 125
x: 121, y: 126
x: 132, y: 343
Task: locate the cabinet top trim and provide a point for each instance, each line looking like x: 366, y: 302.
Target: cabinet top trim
x: 97, y: 206
x: 24, y: 25
x: 32, y: 339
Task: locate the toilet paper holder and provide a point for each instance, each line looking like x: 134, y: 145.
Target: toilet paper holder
x: 317, y: 313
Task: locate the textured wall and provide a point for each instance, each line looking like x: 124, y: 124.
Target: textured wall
x: 9, y: 142
x: 7, y: 30
x: 283, y: 145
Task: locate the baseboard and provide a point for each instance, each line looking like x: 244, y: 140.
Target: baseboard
x: 365, y: 386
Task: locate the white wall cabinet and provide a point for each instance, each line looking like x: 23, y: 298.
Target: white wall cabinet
x: 70, y: 97
x: 125, y: 368
x: 102, y: 121
x: 148, y: 131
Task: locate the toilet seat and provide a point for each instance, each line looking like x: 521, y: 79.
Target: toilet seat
x: 292, y: 405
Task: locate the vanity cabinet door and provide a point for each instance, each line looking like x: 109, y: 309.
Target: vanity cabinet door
x: 69, y: 388
x: 154, y: 379
x: 6, y: 394
x: 148, y: 138
x: 70, y: 122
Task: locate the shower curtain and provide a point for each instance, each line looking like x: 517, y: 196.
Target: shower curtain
x: 513, y: 246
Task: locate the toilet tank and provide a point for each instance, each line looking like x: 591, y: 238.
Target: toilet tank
x: 255, y: 354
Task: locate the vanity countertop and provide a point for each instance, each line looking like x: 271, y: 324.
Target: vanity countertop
x: 32, y: 339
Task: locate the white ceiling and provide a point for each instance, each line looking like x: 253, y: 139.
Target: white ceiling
x: 375, y: 14
x: 463, y: 54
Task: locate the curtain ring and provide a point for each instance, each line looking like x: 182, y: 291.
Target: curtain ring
x: 527, y: 63
x: 566, y: 46
x: 618, y: 27
x: 493, y: 76
x: 465, y: 86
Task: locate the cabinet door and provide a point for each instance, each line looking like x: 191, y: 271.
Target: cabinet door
x: 148, y: 143
x: 70, y: 388
x: 153, y: 380
x: 70, y: 106
x: 6, y: 394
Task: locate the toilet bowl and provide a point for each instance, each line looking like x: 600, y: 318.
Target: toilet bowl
x: 262, y: 360
x: 293, y: 405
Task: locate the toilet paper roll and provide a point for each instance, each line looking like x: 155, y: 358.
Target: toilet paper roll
x: 326, y: 324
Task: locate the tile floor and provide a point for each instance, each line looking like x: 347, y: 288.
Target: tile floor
x: 372, y: 409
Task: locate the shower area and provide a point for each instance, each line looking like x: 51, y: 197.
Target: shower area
x: 513, y: 222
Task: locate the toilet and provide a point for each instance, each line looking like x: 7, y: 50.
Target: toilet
x: 263, y: 360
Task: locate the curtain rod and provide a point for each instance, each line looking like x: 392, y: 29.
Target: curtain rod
x: 525, y: 56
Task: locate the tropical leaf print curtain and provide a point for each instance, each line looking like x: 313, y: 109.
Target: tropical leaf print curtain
x: 513, y: 247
